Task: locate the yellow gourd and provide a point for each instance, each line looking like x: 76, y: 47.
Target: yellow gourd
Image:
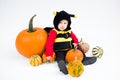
x: 75, y: 68
x: 35, y: 60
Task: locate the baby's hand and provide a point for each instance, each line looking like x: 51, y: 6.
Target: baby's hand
x: 74, y: 44
x: 48, y: 57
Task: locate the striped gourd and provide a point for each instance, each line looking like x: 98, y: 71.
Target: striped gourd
x: 75, y: 68
x: 97, y: 51
x: 35, y: 60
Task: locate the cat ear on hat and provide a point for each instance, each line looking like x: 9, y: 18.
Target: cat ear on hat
x: 73, y: 15
x: 55, y: 13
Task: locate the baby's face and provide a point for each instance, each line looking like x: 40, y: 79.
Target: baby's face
x: 62, y: 25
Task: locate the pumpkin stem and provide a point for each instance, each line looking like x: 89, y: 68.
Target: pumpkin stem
x: 75, y: 47
x: 81, y: 41
x: 30, y: 29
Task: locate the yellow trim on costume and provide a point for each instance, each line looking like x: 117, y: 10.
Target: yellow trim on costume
x: 62, y: 32
x: 63, y: 39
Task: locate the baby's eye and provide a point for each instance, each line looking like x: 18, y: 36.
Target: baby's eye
x: 65, y: 23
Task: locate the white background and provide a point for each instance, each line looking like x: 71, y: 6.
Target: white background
x: 98, y: 23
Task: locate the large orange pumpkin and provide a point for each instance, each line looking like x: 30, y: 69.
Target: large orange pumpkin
x: 74, y: 54
x: 31, y: 41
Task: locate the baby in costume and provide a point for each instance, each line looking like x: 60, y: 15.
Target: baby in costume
x: 61, y: 39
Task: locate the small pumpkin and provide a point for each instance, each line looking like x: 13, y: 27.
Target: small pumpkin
x: 52, y: 59
x: 75, y: 68
x: 35, y: 60
x: 97, y: 52
x: 31, y: 41
x: 74, y: 53
x: 84, y: 46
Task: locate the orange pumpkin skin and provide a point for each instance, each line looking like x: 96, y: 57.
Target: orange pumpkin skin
x: 52, y: 59
x: 44, y: 58
x: 31, y: 41
x: 29, y: 44
x: 74, y: 54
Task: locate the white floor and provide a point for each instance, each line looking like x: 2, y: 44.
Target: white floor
x: 97, y: 23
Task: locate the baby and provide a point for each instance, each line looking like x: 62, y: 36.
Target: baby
x: 61, y: 39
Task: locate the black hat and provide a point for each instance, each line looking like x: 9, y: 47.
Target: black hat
x: 60, y: 16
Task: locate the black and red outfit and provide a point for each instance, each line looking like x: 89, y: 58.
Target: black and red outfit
x: 61, y: 41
